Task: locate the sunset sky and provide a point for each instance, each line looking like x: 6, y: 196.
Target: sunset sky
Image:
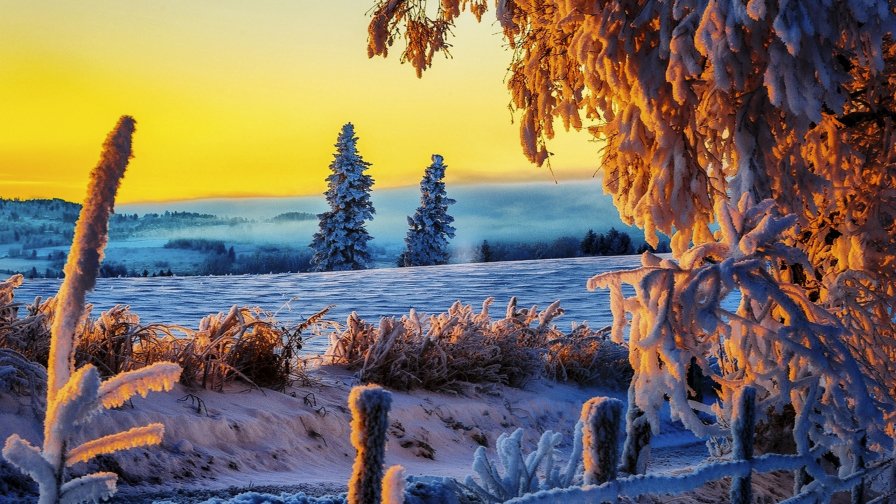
x: 236, y: 98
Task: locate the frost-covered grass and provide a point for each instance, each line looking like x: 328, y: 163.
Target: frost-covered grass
x: 375, y: 293
x: 246, y: 344
x: 448, y: 350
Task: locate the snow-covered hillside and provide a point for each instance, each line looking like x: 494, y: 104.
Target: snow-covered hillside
x: 372, y: 293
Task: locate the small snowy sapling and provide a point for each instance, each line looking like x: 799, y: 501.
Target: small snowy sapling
x: 520, y: 475
x: 76, y: 397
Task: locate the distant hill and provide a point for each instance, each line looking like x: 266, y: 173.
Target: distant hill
x: 293, y: 217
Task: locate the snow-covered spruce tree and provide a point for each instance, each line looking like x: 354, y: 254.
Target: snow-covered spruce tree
x: 75, y: 397
x: 341, y: 242
x: 430, y: 227
x: 369, y: 405
x: 696, y: 104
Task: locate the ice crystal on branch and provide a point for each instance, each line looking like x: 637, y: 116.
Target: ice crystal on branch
x: 696, y: 104
x: 341, y: 242
x: 777, y: 340
x: 430, y: 227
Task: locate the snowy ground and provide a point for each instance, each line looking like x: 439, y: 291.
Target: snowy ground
x: 372, y: 293
x: 300, y: 439
x: 218, y: 443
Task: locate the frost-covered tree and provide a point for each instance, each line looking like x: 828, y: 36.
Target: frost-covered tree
x: 430, y: 227
x: 341, y: 242
x: 75, y: 397
x: 698, y: 104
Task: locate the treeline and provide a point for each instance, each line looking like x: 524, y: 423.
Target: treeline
x: 223, y: 260
x: 611, y: 243
x: 261, y: 261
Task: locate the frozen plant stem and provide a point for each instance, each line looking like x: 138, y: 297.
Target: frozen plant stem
x: 74, y: 397
x: 83, y: 265
x: 601, y: 417
x: 370, y: 419
x: 636, y: 450
x: 394, y: 485
x: 742, y: 429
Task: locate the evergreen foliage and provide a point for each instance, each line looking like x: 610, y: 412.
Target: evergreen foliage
x: 341, y: 242
x: 430, y: 227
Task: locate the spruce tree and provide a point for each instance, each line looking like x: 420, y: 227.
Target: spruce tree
x: 341, y: 242
x: 430, y: 227
x: 485, y: 252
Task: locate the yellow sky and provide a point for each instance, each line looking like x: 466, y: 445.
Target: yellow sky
x: 245, y: 98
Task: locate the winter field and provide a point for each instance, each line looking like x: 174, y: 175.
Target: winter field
x: 371, y: 293
x: 219, y: 443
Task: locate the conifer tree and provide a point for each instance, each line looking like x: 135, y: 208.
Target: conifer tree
x: 430, y: 227
x: 341, y: 242
x: 485, y: 252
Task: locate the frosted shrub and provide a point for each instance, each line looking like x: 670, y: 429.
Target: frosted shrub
x: 23, y: 377
x: 246, y: 343
x: 28, y: 335
x: 777, y: 340
x: 587, y: 357
x: 75, y: 397
x: 446, y: 350
x: 523, y: 474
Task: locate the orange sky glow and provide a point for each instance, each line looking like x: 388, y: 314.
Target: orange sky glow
x: 236, y: 98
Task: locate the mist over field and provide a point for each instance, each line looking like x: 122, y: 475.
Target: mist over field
x: 496, y: 212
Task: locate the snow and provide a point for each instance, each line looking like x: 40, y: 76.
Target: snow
x: 302, y: 437
x: 431, y: 289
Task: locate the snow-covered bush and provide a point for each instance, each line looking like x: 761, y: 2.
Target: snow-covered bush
x: 370, y: 422
x: 461, y: 346
x: 790, y: 349
x: 77, y: 396
x: 430, y: 227
x: 523, y: 474
x: 28, y: 335
x: 588, y: 357
x: 341, y: 242
x: 22, y: 377
x: 696, y: 104
x: 247, y: 344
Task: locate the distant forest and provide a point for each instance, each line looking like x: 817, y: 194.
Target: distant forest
x: 35, y: 235
x: 614, y: 242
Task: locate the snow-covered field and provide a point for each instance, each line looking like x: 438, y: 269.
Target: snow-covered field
x: 371, y: 293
